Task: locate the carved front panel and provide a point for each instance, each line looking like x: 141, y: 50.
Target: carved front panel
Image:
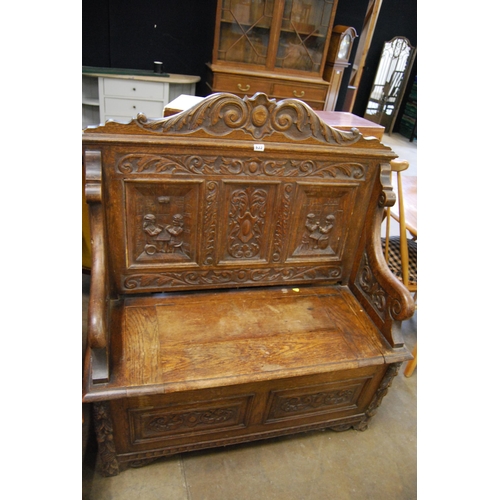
x: 322, y: 221
x: 289, y: 404
x: 176, y: 421
x: 161, y: 223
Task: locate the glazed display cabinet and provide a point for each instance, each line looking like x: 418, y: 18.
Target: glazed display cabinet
x: 274, y: 46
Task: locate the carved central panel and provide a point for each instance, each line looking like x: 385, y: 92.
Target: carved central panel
x: 249, y: 219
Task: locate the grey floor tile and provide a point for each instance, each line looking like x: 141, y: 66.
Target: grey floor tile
x: 162, y: 480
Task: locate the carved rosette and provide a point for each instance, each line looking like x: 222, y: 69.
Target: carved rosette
x: 258, y: 116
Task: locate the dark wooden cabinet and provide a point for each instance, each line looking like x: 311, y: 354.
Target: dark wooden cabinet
x: 239, y: 290
x: 278, y: 47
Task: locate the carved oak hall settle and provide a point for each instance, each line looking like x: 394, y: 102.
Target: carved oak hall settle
x: 239, y: 290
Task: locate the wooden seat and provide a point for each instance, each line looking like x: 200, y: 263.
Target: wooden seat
x: 401, y: 252
x: 239, y: 289
x: 181, y: 341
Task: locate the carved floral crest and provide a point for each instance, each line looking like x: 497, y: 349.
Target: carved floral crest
x: 258, y: 116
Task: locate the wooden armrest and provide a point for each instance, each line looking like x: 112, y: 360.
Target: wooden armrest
x: 98, y: 341
x: 386, y: 299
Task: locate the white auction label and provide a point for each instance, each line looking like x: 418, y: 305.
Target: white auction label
x: 258, y: 147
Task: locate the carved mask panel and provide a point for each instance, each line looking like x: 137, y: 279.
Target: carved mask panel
x: 161, y: 223
x: 321, y: 221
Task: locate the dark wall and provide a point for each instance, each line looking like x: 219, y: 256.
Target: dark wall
x: 132, y: 34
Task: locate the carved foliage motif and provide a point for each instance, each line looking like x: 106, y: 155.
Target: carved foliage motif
x: 283, y: 221
x: 246, y: 222
x: 258, y: 116
x: 310, y: 402
x: 381, y: 301
x: 386, y: 382
x: 252, y: 166
x: 189, y: 420
x: 371, y: 288
x: 210, y: 222
x: 104, y: 433
x: 151, y: 423
x: 232, y: 277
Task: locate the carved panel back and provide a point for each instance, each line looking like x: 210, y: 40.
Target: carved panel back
x: 235, y: 192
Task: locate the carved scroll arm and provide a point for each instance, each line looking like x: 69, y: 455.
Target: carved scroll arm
x: 387, y: 299
x: 97, y: 342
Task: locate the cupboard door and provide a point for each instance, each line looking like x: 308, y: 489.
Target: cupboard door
x: 245, y: 29
x: 304, y: 33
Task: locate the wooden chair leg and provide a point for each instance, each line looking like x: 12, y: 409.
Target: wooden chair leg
x: 410, y: 367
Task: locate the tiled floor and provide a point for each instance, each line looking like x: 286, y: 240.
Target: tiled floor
x: 379, y: 463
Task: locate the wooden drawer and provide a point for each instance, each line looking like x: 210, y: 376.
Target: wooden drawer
x: 133, y: 88
x: 299, y: 91
x: 240, y: 84
x: 130, y: 107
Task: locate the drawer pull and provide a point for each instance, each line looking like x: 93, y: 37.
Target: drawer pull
x: 133, y: 89
x: 245, y: 88
x: 298, y: 94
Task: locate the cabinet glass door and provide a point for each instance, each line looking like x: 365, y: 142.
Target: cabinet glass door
x: 303, y: 34
x: 244, y: 31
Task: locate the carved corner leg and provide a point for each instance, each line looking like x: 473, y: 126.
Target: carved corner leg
x: 386, y: 382
x: 108, y: 462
